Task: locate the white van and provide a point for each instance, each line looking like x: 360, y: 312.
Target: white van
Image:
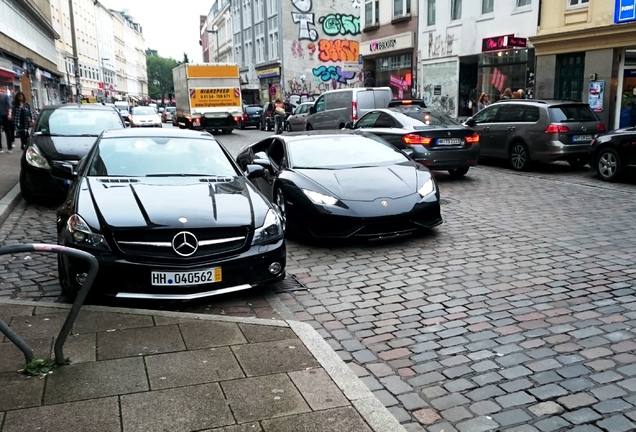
x: 335, y: 108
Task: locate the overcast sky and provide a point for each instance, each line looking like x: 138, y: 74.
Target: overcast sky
x: 170, y: 27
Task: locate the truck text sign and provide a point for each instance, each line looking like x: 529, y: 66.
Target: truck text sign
x: 215, y: 97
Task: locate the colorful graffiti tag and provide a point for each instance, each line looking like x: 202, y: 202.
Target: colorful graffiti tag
x: 337, y: 24
x: 338, y: 50
x: 304, y: 18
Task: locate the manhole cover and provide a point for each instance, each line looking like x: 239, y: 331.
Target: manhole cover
x: 289, y: 284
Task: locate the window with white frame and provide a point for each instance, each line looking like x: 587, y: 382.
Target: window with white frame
x: 273, y: 45
x: 371, y: 12
x: 430, y: 14
x: 456, y: 10
x: 522, y: 3
x: 260, y: 49
x: 578, y: 3
x: 258, y: 11
x: 271, y: 7
x: 487, y: 6
x: 401, y: 8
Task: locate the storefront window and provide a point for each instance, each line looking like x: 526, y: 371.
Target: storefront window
x: 395, y: 72
x: 501, y: 70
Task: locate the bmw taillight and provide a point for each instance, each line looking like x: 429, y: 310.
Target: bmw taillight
x: 354, y: 111
x: 413, y: 139
x: 600, y: 127
x: 557, y: 129
x: 473, y: 139
x: 244, y: 116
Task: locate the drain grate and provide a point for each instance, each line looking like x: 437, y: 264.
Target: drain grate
x: 289, y: 284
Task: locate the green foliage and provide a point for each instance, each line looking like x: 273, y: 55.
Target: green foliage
x: 40, y: 366
x: 160, y: 76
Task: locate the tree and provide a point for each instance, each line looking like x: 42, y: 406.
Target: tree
x: 160, y: 76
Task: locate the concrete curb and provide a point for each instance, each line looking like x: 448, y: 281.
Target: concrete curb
x: 368, y: 406
x: 9, y: 201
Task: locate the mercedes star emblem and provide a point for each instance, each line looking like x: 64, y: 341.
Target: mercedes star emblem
x: 384, y: 203
x: 185, y: 243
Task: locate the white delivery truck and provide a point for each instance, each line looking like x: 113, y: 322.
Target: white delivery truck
x: 208, y: 96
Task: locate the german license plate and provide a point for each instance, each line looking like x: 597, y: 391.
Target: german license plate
x: 199, y: 277
x: 581, y: 138
x: 448, y: 141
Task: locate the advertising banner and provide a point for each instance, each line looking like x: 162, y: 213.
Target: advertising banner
x: 215, y: 97
x: 624, y: 11
x: 595, y: 95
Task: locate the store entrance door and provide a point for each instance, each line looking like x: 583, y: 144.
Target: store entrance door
x: 627, y: 113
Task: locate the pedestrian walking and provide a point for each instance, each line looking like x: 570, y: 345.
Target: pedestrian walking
x: 5, y: 118
x: 22, y: 118
x: 279, y: 115
x: 507, y: 94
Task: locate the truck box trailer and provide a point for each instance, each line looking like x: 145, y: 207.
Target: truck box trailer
x: 208, y: 96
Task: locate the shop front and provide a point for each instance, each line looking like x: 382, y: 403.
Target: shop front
x: 505, y: 62
x: 269, y: 83
x: 388, y: 62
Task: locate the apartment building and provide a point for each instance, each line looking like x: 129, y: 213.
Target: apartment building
x: 467, y: 48
x: 388, y: 47
x: 296, y: 49
x: 586, y: 50
x: 28, y: 59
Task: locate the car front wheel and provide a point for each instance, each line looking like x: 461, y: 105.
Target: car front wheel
x: 519, y: 157
x: 608, y: 165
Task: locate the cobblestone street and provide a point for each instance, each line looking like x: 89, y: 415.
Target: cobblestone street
x: 516, y: 314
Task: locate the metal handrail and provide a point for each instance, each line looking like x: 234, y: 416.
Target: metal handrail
x: 77, y: 304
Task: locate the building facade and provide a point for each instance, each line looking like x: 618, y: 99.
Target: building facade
x: 586, y: 50
x: 28, y: 58
x: 468, y: 48
x: 296, y: 49
x: 389, y: 45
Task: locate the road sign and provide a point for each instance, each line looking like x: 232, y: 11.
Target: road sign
x: 350, y: 66
x: 360, y: 59
x: 273, y: 90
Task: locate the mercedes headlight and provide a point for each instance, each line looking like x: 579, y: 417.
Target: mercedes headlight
x: 35, y: 158
x: 427, y: 189
x: 319, y: 198
x: 270, y: 231
x: 82, y: 234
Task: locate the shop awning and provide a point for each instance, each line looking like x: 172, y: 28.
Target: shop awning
x: 6, y: 73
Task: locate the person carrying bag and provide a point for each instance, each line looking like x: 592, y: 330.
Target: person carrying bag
x: 22, y: 119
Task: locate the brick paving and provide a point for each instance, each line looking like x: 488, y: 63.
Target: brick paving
x: 516, y: 314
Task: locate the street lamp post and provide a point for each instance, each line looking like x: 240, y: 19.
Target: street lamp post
x: 78, y: 84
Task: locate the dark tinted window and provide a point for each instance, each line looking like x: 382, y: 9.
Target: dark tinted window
x: 368, y: 120
x: 531, y: 114
x: 253, y: 109
x: 385, y: 121
x: 338, y: 100
x: 571, y: 113
x: 487, y: 115
x: 511, y: 113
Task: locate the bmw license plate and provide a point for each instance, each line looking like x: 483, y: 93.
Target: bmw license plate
x: 448, y: 141
x: 581, y: 138
x: 200, y: 277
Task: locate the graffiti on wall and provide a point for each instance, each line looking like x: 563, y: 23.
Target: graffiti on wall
x: 444, y: 103
x: 338, y: 24
x: 305, y: 20
x: 326, y: 38
x: 439, y: 46
x: 338, y: 50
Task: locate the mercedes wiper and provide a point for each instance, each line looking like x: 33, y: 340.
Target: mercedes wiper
x: 178, y: 175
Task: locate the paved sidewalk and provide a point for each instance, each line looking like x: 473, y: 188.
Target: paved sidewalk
x: 138, y: 370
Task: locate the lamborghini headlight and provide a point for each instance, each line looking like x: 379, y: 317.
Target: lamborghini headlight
x: 82, y: 234
x: 35, y: 158
x: 427, y: 188
x: 318, y: 198
x: 270, y: 231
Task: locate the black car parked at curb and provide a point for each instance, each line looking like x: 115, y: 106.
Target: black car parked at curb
x: 62, y: 135
x: 613, y: 156
x: 169, y: 216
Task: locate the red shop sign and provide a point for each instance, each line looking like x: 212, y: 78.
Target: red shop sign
x: 497, y: 43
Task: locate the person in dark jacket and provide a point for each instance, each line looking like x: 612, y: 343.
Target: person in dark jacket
x: 22, y: 119
x: 5, y: 116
